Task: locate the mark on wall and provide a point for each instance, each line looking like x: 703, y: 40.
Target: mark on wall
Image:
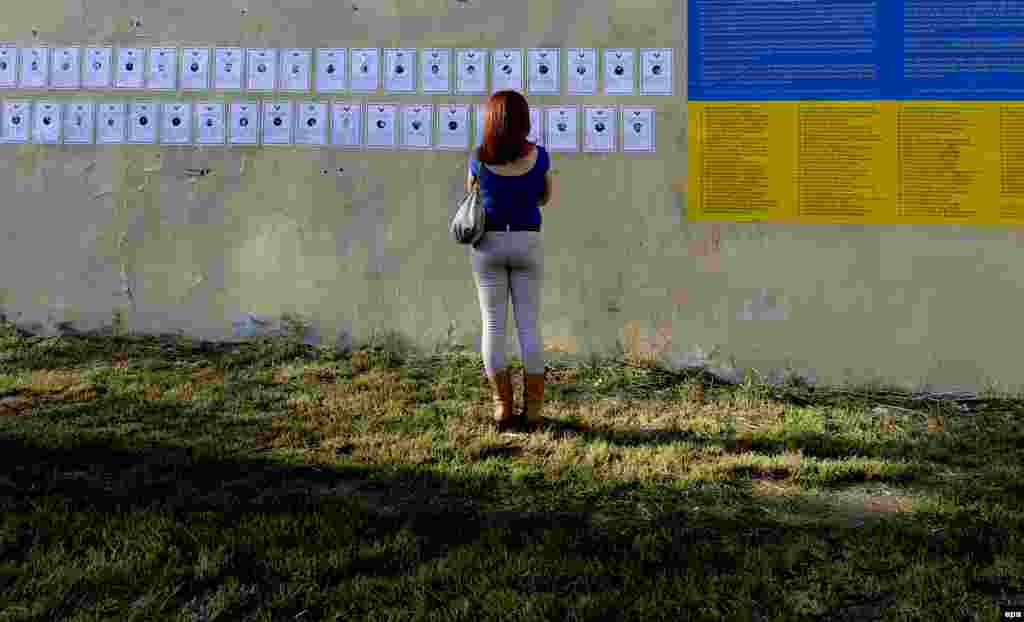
x: 561, y: 343
x: 709, y: 245
x: 646, y: 345
x: 764, y: 305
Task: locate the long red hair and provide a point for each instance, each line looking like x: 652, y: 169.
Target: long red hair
x: 506, y: 126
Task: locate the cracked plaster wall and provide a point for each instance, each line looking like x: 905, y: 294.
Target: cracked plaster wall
x: 358, y: 241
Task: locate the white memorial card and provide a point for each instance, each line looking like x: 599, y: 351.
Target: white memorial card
x: 471, y: 72
x: 67, y: 68
x: 8, y: 66
x: 618, y: 71
x: 142, y: 122
x: 129, y: 73
x: 582, y: 78
x: 35, y: 67
x: 479, y: 124
x: 195, y: 69
x: 262, y: 69
x: 46, y: 129
x: 78, y: 123
x: 163, y: 67
x: 434, y: 70
x: 365, y: 74
x: 418, y: 126
x: 400, y: 70
x: 637, y: 129
x: 346, y: 124
x: 295, y: 69
x: 599, y: 128
x: 330, y: 70
x: 277, y: 122
x: 453, y: 127
x: 110, y: 123
x: 544, y: 75
x: 245, y: 123
x: 97, y: 67
x: 380, y: 125
x: 536, y: 134
x: 561, y: 129
x: 507, y: 70
x: 16, y: 117
x: 176, y: 128
x: 227, y: 69
x: 311, y: 123
x: 210, y: 126
x: 656, y: 73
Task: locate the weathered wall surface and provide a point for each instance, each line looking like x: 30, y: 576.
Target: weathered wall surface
x: 358, y: 241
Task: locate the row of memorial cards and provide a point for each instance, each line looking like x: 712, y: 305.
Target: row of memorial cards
x: 342, y: 124
x: 336, y: 69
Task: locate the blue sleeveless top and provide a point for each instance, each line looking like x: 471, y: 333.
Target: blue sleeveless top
x: 512, y: 199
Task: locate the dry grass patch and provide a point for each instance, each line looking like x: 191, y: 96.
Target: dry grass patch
x: 51, y: 380
x: 209, y: 375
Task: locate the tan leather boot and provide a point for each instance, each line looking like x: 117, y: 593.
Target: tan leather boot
x: 504, y: 415
x: 533, y: 401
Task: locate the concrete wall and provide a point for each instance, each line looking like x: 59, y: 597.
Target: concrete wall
x: 927, y: 307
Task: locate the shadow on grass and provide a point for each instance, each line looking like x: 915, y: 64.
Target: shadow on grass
x: 100, y: 476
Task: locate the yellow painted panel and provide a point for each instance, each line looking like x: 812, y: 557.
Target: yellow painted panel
x: 877, y: 162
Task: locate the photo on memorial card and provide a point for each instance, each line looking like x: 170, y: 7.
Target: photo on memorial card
x: 195, y: 69
x: 619, y: 71
x: 16, y: 117
x: 67, y: 68
x: 560, y: 126
x: 111, y: 123
x: 143, y: 122
x: 581, y: 78
x: 656, y: 71
x: 543, y: 75
x: 228, y: 68
x: 98, y: 67
x: 435, y: 70
x: 162, y: 68
x: 400, y: 70
x: 46, y: 122
x: 346, y: 124
x: 8, y: 65
x: 244, y: 123
x: 471, y: 72
x: 381, y: 121
x: 507, y: 70
x: 453, y: 127
x: 331, y: 70
x: 364, y: 70
x: 417, y: 126
x: 35, y: 68
x: 176, y: 123
x: 129, y: 73
x: 78, y: 122
x: 638, y: 129
x: 311, y: 123
x: 261, y: 69
x: 277, y: 122
x: 295, y: 69
x: 599, y: 128
x: 211, y: 128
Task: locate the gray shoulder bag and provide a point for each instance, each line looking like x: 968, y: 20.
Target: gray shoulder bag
x: 468, y: 225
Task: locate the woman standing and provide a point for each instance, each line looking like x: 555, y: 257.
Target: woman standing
x: 509, y: 258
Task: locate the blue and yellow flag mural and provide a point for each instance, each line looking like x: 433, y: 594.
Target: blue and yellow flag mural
x: 856, y: 111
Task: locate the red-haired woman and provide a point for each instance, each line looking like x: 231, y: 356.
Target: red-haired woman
x: 514, y: 184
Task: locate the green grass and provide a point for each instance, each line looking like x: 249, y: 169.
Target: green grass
x: 154, y: 478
